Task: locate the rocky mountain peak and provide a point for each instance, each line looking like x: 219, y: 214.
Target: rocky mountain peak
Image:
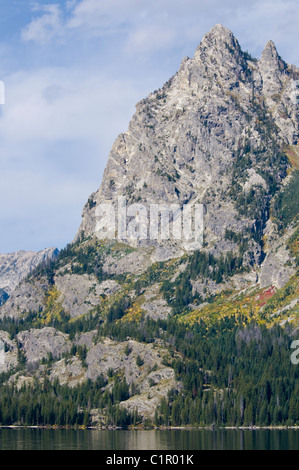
x: 219, y: 33
x: 270, y: 59
x: 204, y: 137
x: 270, y: 47
x: 219, y: 43
x: 277, y: 84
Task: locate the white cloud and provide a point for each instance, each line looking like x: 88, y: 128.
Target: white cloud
x: 146, y: 26
x: 43, y: 28
x: 150, y: 38
x: 62, y: 103
x: 277, y: 20
x: 56, y: 130
x: 101, y: 15
x: 92, y: 17
x: 40, y: 210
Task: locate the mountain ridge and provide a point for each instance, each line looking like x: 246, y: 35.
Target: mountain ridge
x: 165, y: 175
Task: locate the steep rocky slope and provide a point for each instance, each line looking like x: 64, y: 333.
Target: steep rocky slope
x: 215, y: 130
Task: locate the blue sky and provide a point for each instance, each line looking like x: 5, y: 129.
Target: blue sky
x: 73, y: 71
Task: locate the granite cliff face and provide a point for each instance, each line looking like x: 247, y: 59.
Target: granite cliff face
x: 214, y: 130
x: 223, y: 133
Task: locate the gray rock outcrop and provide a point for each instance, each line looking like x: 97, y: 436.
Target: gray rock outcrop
x: 27, y: 297
x: 37, y: 344
x: 81, y: 293
x: 16, y: 266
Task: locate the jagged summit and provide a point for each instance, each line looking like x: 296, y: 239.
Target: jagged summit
x: 271, y: 59
x: 270, y: 46
x: 278, y: 82
x: 182, y: 141
x: 218, y: 31
x: 219, y: 40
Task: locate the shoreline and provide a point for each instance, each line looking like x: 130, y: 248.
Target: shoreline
x: 162, y: 428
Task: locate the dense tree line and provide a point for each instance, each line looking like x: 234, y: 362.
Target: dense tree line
x: 49, y: 403
x: 233, y: 376
x: 233, y: 373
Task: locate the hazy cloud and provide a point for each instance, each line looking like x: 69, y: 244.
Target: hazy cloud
x: 147, y: 26
x: 46, y: 26
x: 56, y: 131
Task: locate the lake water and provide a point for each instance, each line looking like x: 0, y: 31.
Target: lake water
x: 41, y: 439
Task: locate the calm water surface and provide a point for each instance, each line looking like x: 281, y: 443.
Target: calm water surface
x: 40, y: 439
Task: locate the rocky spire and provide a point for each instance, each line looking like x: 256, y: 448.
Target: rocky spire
x: 218, y: 47
x: 270, y: 59
x: 220, y: 32
x: 273, y: 73
x: 219, y: 37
